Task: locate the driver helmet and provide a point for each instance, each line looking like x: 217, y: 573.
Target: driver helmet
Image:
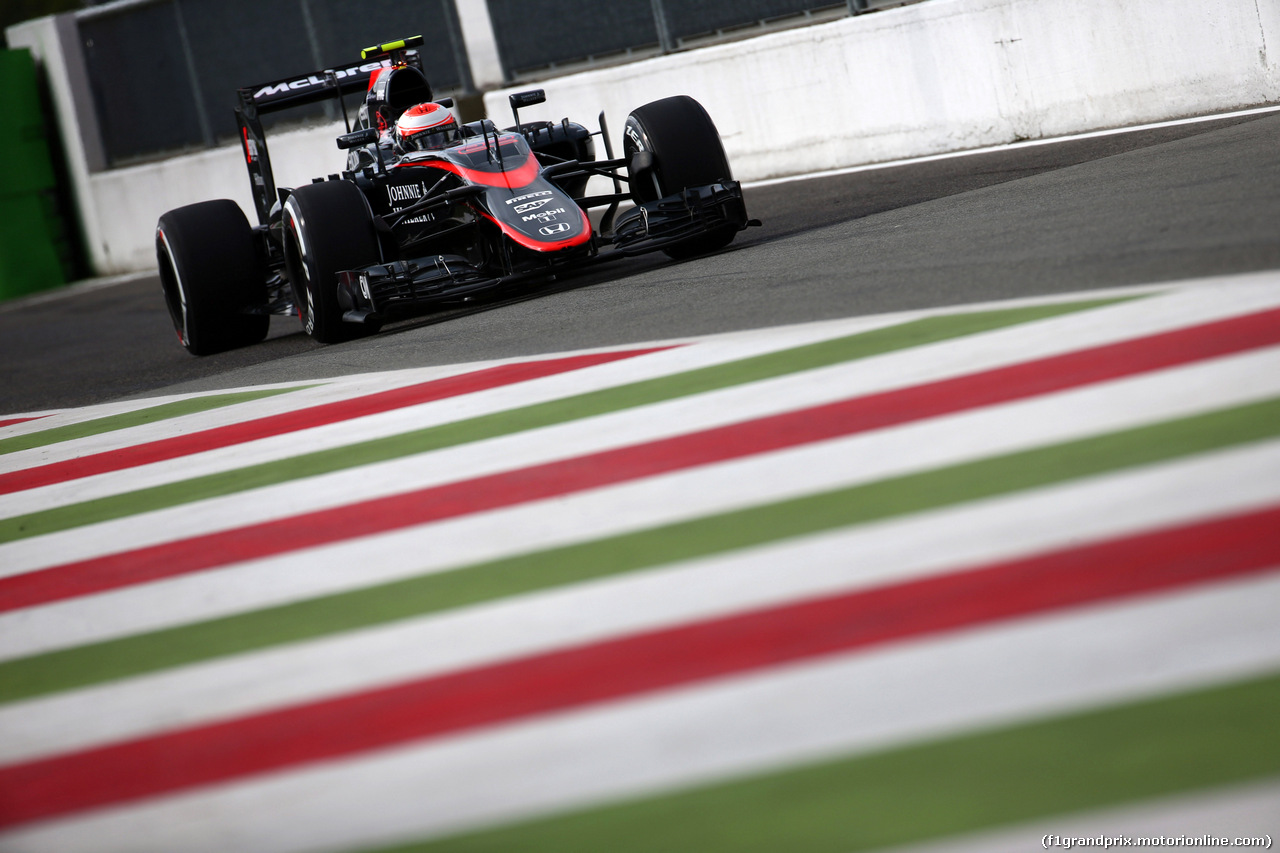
x: 425, y: 127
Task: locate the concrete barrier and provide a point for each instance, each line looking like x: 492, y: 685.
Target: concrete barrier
x: 940, y: 76
x: 948, y: 75
x: 127, y: 202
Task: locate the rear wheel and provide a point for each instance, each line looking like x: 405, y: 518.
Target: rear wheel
x: 211, y: 275
x: 686, y: 152
x: 328, y: 228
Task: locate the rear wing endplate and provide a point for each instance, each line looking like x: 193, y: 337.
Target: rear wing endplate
x: 277, y: 95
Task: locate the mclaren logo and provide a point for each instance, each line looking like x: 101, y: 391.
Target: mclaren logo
x: 558, y: 228
x: 285, y: 86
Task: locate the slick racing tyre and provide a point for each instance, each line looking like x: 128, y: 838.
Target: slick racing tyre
x: 686, y: 152
x: 328, y: 228
x: 211, y: 276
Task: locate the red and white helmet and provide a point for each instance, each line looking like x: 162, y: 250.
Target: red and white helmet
x: 424, y: 127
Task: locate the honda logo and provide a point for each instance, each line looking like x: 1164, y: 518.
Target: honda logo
x: 558, y: 228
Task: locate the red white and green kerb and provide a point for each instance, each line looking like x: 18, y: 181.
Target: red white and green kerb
x: 929, y: 577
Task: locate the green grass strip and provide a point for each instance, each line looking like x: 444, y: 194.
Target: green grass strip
x: 128, y: 656
x: 1099, y: 759
x: 911, y: 334
x: 150, y: 415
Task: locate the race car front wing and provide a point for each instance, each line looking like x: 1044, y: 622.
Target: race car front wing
x: 698, y: 210
x: 384, y: 291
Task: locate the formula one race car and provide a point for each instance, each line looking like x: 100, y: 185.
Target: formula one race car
x: 430, y: 212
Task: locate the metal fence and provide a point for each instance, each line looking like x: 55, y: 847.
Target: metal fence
x: 163, y: 74
x: 535, y: 36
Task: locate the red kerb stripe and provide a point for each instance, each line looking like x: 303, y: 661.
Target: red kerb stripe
x: 558, y: 681
x: 552, y: 479
x: 328, y: 413
x: 12, y: 421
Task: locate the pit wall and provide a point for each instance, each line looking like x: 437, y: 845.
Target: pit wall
x: 939, y: 76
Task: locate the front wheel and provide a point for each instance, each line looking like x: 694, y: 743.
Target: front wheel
x: 686, y: 152
x: 212, y: 277
x: 328, y: 228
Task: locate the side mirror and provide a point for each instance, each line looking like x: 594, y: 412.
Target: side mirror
x: 357, y: 138
x: 520, y: 100
x: 525, y: 99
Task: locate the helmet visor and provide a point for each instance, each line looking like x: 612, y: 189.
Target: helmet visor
x: 427, y: 140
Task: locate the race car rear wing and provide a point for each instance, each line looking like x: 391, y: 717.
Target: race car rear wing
x: 310, y: 88
x: 291, y: 92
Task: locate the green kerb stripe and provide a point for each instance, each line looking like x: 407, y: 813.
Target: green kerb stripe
x: 911, y: 334
x: 128, y: 656
x: 1104, y: 758
x: 153, y: 414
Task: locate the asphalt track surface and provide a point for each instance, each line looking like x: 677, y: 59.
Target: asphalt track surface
x: 1145, y: 206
